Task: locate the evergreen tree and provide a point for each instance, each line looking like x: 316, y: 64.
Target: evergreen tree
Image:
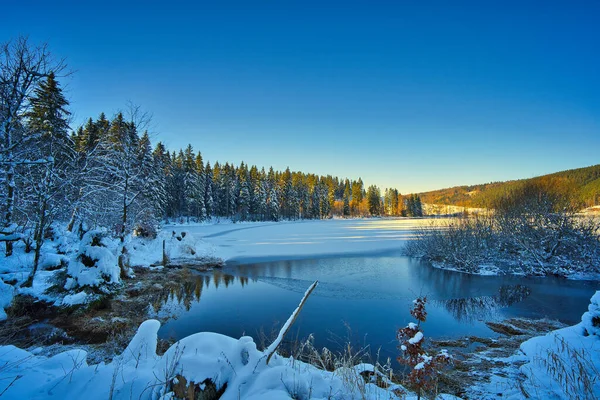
x: 200, y: 201
x: 418, y: 206
x: 273, y: 205
x: 261, y: 199
x: 47, y: 182
x: 191, y: 184
x: 154, y: 198
x: 208, y: 193
x: 373, y: 200
x: 346, y: 199
x: 357, y: 196
x: 244, y: 201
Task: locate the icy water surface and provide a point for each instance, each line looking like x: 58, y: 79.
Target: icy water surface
x: 365, y: 299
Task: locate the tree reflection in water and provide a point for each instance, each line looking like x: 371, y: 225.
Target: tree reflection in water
x: 484, y: 308
x: 186, y: 292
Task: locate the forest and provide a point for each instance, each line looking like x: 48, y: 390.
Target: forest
x: 108, y: 173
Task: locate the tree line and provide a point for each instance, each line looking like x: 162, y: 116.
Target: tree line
x: 108, y: 173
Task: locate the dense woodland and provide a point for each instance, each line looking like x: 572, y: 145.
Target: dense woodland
x: 108, y: 173
x: 583, y: 184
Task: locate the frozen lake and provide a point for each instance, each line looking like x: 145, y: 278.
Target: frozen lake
x: 369, y: 290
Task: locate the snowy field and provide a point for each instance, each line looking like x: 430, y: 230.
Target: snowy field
x: 261, y: 241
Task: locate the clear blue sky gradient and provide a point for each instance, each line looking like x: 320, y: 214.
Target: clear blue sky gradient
x: 409, y: 94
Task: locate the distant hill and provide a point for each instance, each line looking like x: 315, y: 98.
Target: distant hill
x: 582, y: 183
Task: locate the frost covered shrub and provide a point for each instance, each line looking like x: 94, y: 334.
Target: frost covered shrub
x: 465, y: 243
x: 425, y: 370
x: 95, y: 263
x: 534, y: 229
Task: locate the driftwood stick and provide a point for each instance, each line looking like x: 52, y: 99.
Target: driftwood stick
x: 286, y: 327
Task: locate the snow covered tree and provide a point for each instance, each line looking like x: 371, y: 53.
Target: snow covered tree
x: 153, y: 201
x: 244, y: 201
x: 273, y: 205
x: 47, y: 184
x: 200, y: 201
x: 191, y: 183
x: 260, y: 199
x: 208, y: 193
x: 22, y: 68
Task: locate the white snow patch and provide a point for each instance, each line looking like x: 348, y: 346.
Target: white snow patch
x: 6, y: 296
x: 416, y: 339
x: 74, y: 299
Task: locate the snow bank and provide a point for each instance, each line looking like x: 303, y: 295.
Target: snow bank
x: 179, y: 246
x: 591, y: 319
x: 201, y: 358
x: 565, y: 363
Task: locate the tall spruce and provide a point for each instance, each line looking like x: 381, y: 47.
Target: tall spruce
x: 47, y: 183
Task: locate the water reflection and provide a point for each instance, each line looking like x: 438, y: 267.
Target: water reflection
x: 371, y: 294
x: 485, y: 308
x: 189, y: 291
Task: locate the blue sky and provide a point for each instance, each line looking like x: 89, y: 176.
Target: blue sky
x: 413, y: 95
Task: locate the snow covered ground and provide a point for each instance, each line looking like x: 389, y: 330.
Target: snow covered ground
x: 258, y: 241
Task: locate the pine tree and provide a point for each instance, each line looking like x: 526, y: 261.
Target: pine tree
x: 153, y: 202
x: 191, y: 184
x: 89, y: 137
x: 162, y: 166
x: 273, y: 205
x: 357, y: 196
x: 373, y: 200
x: 346, y: 199
x: 261, y: 199
x: 200, y: 201
x: 244, y: 202
x: 418, y: 206
x: 48, y: 182
x: 208, y: 193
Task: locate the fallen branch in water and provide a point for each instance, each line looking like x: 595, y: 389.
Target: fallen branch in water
x: 288, y: 324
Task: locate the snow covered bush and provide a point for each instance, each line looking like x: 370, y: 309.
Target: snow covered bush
x: 95, y: 263
x: 425, y: 370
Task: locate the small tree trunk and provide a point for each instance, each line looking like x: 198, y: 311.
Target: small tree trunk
x: 38, y: 238
x: 165, y: 260
x: 72, y: 220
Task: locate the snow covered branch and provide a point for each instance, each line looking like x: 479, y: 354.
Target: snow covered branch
x: 288, y: 324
